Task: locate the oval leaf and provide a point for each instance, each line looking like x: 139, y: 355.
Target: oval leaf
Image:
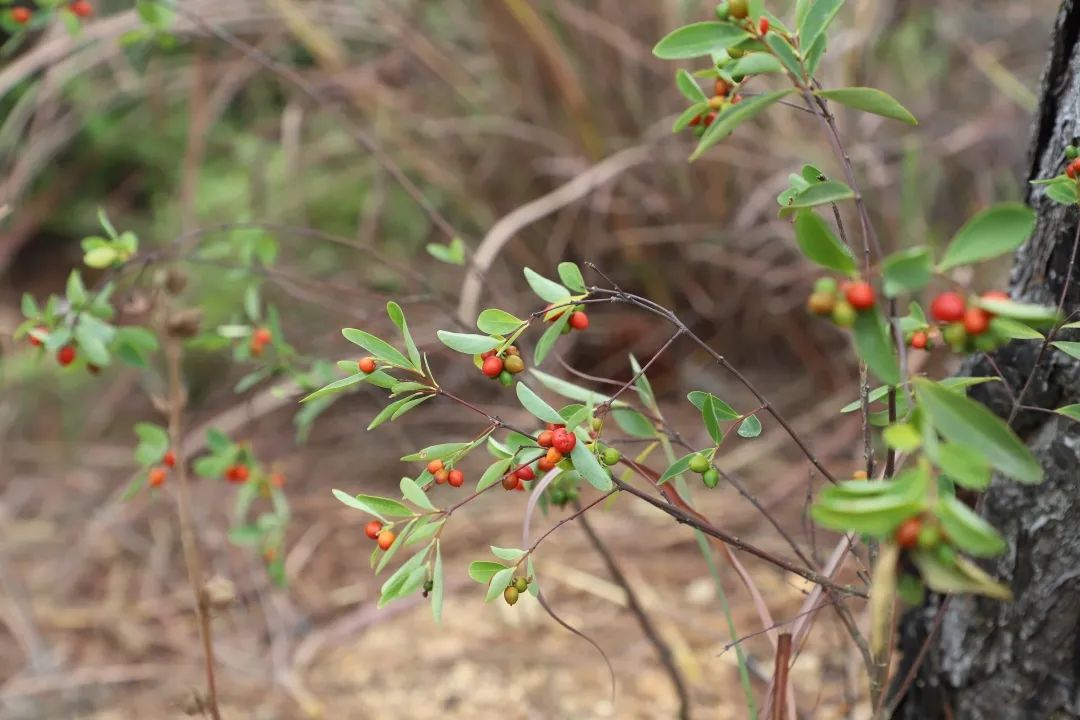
x: 874, y: 345
x: 819, y: 244
x: 967, y: 530
x: 993, y: 232
x: 870, y: 100
x: 468, y: 343
x: 699, y: 39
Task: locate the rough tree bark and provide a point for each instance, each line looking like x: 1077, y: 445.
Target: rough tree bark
x: 1021, y: 660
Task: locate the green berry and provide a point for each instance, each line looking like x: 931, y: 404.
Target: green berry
x: 711, y: 478
x: 986, y: 342
x: 736, y: 53
x: 510, y: 595
x: 826, y: 285
x: 611, y: 456
x: 737, y: 77
x: 929, y: 537
x: 521, y: 584
x: 843, y: 314
x: 1071, y: 152
x: 722, y: 11
x: 699, y: 464
x: 955, y: 335
x: 558, y: 497
x: 597, y: 424
x: 506, y: 378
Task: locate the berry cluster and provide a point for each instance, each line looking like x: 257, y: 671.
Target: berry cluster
x: 21, y: 15
x: 502, y: 367
x: 840, y: 301
x: 578, y: 320
x: 156, y: 476
x: 965, y: 326
x: 1072, y: 169
x: 65, y: 355
x: 513, y: 591
x: 445, y: 476
x: 259, y: 340
x: 702, y: 465
x: 384, y: 537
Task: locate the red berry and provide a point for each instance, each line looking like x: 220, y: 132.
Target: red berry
x: 386, y: 539
x: 456, y: 478
x: 763, y: 26
x: 169, y: 459
x: 237, y: 473
x: 510, y: 482
x: 709, y: 118
x: 695, y: 121
x: 579, y: 320
x: 33, y: 340
x: 918, y: 340
x: 736, y: 100
x: 1074, y: 166
x: 563, y: 440
x: 277, y: 479
x: 434, y: 466
x: 367, y: 365
x: 947, y: 307
x: 860, y: 295
x: 82, y: 8
x: 907, y: 535
x: 373, y: 529
x: 976, y: 321
x: 525, y: 473
x: 543, y: 465
x: 262, y: 336
x: 721, y: 87
x: 20, y: 15
x: 492, y: 366
x: 486, y: 355
x: 996, y: 295
x: 520, y: 486
x: 1070, y: 169
x: 66, y: 355
x: 441, y: 476
x: 157, y: 477
x: 557, y: 315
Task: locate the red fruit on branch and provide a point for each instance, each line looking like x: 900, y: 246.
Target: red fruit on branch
x: 976, y: 321
x: 721, y: 87
x: 563, y: 440
x: 492, y: 366
x: 510, y: 482
x: 33, y: 340
x: 277, y: 479
x: 81, y: 8
x: 554, y: 456
x: 441, y: 476
x: 386, y: 539
x: 237, y: 473
x: 486, y: 354
x: 21, y: 15
x: 456, y: 478
x: 947, y: 307
x: 860, y: 295
x: 763, y: 26
x: 579, y: 320
x: 543, y: 465
x: 710, y: 118
x: 996, y: 295
x: 367, y: 365
x: 66, y: 355
x: 169, y: 459
x: 373, y: 529
x: 157, y: 477
x: 907, y: 535
x: 434, y: 466
x: 262, y: 336
x: 525, y: 473
x: 919, y: 340
x: 545, y: 439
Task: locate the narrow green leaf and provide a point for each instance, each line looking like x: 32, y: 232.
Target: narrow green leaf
x: 511, y: 555
x: 387, y: 412
x: 498, y: 322
x: 381, y: 349
x: 820, y: 245
x: 415, y: 494
x: 548, y: 290
x: 548, y: 339
x: 683, y: 121
x: 1072, y: 349
x: 874, y: 345
x: 676, y: 468
x: 734, y: 116
x: 870, y: 100
x: 411, y: 402
x: 633, y: 423
x: 436, y: 452
x: 966, y: 467
x: 373, y: 505
x: 1014, y: 329
x: 820, y: 193
x: 758, y: 63
x: 498, y: 583
x: 815, y: 20
x: 397, y: 316
x: 721, y: 409
x: 467, y: 343
x: 903, y: 437
x: 1070, y: 411
x: 787, y: 55
x: 76, y: 291
x: 1024, y: 312
x: 570, y: 390
x: 334, y: 387
x: 708, y: 415
x: 536, y: 405
x: 967, y: 530
x: 437, y: 585
x: 959, y: 576
x: 571, y: 275
x: 699, y: 39
x: 996, y: 231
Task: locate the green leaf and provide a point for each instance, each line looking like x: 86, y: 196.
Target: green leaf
x: 380, y: 507
x: 642, y: 383
x: 570, y: 390
x: 1062, y: 190
x: 676, y: 468
x: 411, y: 402
x: 722, y: 410
x: 816, y: 19
x: 90, y: 343
x: 452, y: 253
x: 840, y: 508
x: 548, y: 290
x: 381, y: 349
x: 819, y: 193
x: 633, y: 423
x: 437, y: 584
x: 246, y: 535
x: 100, y: 258
x: 869, y: 100
x: 734, y: 116
x: 483, y: 570
x: 814, y: 54
x: 388, y: 412
x: 1024, y: 312
x: 750, y: 427
x: 507, y: 554
x: 402, y: 581
x: 399, y: 542
x: 436, y: 452
x: 498, y: 583
x: 907, y: 271
x: 536, y: 405
x: 964, y: 466
x: 397, y: 316
x: 970, y: 424
x: 820, y: 245
x: 1014, y: 329
x: 874, y: 345
x: 415, y: 494
x: 903, y: 437
x: 708, y: 415
x: 570, y: 273
x: 589, y: 467
x: 467, y: 343
x: 874, y: 395
x: 999, y: 230
x: 1072, y: 349
x: 494, y: 472
x: 786, y: 54
x: 967, y: 530
x: 334, y: 387
x: 959, y: 576
x: 683, y: 121
x: 758, y: 63
x: 690, y: 89
x: 76, y: 291
x: 498, y: 322
x: 548, y: 339
x: 1070, y: 411
x: 699, y: 39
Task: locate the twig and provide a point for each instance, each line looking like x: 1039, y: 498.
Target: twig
x: 780, y: 675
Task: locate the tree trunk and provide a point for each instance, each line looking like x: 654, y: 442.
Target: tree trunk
x: 1021, y: 660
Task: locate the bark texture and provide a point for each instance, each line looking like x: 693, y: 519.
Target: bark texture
x: 1021, y: 660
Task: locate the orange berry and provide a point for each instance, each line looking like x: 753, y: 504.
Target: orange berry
x: 721, y: 87
x: 709, y: 118
x: 545, y: 438
x: 441, y: 476
x: 918, y: 340
x: 579, y: 320
x: 434, y: 466
x: 367, y: 365
x: 277, y: 479
x: 554, y: 457
x: 81, y: 8
x: 65, y: 355
x: 559, y: 314
x: 543, y: 465
x: 262, y: 336
x: 907, y: 535
x: 510, y: 482
x: 456, y: 478
x: 373, y: 529
x: 860, y: 295
x: 237, y: 474
x: 492, y: 366
x: 169, y: 459
x: 21, y: 15
x: 859, y: 475
x: 386, y: 539
x: 976, y: 321
x: 157, y: 477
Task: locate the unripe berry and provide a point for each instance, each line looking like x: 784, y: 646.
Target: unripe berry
x: 843, y: 314
x: 825, y: 285
x: 81, y: 8
x: 21, y: 15
x: 563, y: 440
x: 521, y: 584
x: 907, y: 535
x: 514, y: 364
x: 65, y: 355
x: 611, y: 456
x: 976, y: 321
x: 821, y: 303
x: 947, y: 307
x: 512, y: 350
x: 386, y: 539
x: 554, y: 457
x: 716, y: 102
x: 169, y: 459
x: 711, y: 478
x: 946, y: 555
x: 919, y: 340
x: 506, y: 379
x: 373, y: 529
x: 955, y: 335
x: 579, y: 320
x: 441, y: 477
x: 929, y: 537
x: 545, y: 438
x: 525, y: 473
x: 367, y: 365
x: 434, y: 466
x: 510, y: 482
x: 722, y: 11
x: 738, y: 9
x: 763, y: 25
x: 1071, y: 152
x: 156, y: 477
x: 860, y: 295
x: 492, y: 366
x: 699, y: 464
x: 456, y: 478
x: 510, y: 595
